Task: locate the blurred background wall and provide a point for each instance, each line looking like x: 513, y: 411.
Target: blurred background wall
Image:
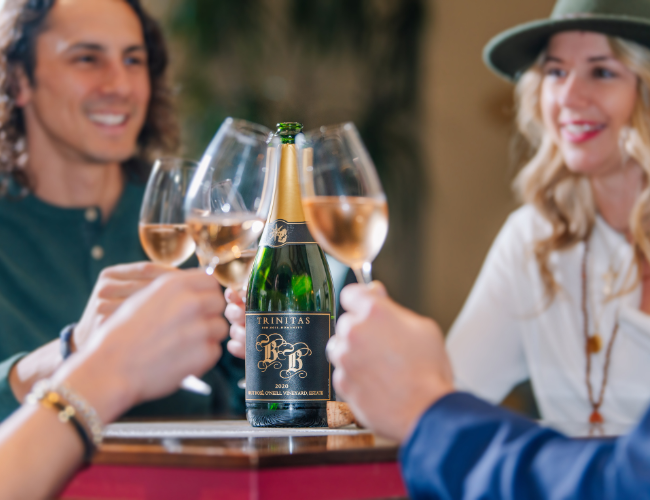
x: 409, y: 74
x: 468, y: 125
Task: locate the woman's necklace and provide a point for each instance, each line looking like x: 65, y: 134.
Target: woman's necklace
x: 611, y: 276
x: 592, y: 346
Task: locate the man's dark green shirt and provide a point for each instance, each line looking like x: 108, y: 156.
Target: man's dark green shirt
x: 50, y: 258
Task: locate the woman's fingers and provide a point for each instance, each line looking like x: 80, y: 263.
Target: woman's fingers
x: 214, y: 329
x: 237, y: 349
x: 238, y: 333
x: 106, y: 308
x: 114, y: 285
x: 235, y: 296
x: 235, y: 314
x: 200, y: 358
x: 147, y: 271
x: 112, y: 289
x: 127, y: 279
x: 238, y: 341
x: 190, y: 295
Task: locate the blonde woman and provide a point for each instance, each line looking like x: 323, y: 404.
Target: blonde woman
x: 563, y: 298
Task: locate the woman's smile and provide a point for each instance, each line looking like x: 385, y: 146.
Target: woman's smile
x: 580, y: 131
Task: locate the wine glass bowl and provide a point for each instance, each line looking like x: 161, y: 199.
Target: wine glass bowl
x: 343, y: 200
x: 230, y: 195
x: 220, y: 239
x: 352, y: 229
x: 234, y: 273
x: 163, y: 233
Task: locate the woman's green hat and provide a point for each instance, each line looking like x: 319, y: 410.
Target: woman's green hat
x: 512, y: 52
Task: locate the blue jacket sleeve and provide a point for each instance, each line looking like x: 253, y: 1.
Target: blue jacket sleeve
x: 463, y: 448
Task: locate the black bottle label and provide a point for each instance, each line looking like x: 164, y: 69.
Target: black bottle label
x: 285, y: 356
x: 279, y: 233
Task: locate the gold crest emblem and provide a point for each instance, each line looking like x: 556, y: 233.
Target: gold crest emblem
x: 279, y: 234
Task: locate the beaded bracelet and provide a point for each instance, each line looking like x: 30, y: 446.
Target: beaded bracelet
x: 87, y: 412
x: 71, y: 408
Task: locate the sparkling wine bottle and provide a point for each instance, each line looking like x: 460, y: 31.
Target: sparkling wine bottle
x: 290, y: 311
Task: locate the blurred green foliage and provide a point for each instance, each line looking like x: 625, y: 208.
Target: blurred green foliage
x: 319, y: 62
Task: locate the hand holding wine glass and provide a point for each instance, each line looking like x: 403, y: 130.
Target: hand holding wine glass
x: 164, y: 235
x: 229, y: 199
x: 344, y: 202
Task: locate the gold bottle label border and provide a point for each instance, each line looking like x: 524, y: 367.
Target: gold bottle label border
x: 285, y: 356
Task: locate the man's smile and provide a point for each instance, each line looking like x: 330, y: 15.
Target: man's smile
x: 108, y: 119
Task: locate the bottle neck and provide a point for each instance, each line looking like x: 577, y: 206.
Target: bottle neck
x: 287, y: 203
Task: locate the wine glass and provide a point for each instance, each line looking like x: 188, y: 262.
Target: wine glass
x: 230, y: 195
x: 163, y: 232
x: 345, y: 205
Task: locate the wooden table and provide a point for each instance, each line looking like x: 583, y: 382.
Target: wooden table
x: 231, y: 460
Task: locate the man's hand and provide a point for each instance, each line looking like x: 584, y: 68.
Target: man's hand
x: 169, y: 330
x: 236, y: 314
x: 114, y: 285
x: 391, y: 363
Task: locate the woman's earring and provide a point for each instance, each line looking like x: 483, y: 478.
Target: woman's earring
x: 624, y: 143
x: 20, y: 149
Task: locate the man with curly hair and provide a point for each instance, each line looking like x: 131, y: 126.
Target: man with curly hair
x: 84, y: 108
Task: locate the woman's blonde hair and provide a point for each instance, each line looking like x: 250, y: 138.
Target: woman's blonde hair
x: 565, y: 198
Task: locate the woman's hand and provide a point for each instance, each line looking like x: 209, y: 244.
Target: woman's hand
x: 236, y: 314
x: 114, y: 285
x: 163, y: 333
x: 171, y: 329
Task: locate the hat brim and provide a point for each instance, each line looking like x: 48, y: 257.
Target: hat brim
x: 512, y: 52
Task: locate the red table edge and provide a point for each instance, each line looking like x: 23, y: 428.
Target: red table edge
x: 344, y: 481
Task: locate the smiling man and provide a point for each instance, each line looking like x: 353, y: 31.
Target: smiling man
x: 84, y: 108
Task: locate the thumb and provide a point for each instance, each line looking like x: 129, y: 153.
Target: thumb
x: 356, y: 297
x: 378, y: 288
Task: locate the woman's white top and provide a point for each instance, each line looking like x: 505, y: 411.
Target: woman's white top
x: 505, y: 334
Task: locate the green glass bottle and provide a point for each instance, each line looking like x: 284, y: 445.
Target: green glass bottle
x: 290, y: 311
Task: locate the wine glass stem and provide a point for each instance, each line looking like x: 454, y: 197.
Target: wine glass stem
x: 364, y: 273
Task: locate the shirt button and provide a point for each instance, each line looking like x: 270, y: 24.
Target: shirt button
x: 97, y: 252
x: 91, y: 214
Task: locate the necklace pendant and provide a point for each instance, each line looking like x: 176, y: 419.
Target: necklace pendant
x: 596, y: 418
x: 594, y: 344
x: 609, y: 279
